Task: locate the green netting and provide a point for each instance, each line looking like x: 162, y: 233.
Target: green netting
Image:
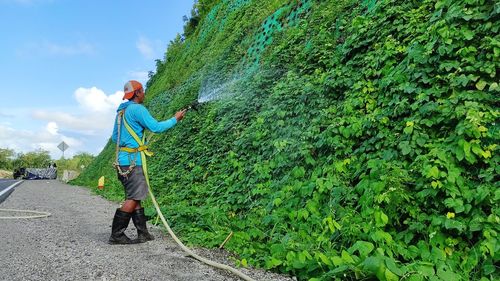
x: 209, y: 23
x: 235, y: 4
x: 284, y: 17
x: 370, y: 5
x: 218, y: 16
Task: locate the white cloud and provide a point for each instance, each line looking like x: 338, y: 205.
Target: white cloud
x: 54, y: 49
x: 145, y: 47
x: 52, y: 128
x: 95, y: 100
x: 85, y: 127
x: 29, y: 140
x: 83, y: 124
x: 96, y: 114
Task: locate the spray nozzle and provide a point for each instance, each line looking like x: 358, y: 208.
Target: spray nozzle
x: 194, y: 105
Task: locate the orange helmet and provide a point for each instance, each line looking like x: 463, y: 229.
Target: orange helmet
x: 130, y: 88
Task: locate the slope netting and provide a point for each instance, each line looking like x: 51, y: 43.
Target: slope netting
x: 209, y: 23
x: 284, y: 17
x: 212, y: 20
x: 235, y: 5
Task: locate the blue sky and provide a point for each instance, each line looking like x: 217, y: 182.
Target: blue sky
x: 64, y: 64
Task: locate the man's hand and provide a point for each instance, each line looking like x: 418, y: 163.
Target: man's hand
x: 180, y: 114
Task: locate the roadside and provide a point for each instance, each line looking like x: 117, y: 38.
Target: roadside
x: 7, y: 187
x: 72, y: 243
x: 5, y: 174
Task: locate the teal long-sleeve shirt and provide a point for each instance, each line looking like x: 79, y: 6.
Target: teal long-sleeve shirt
x: 139, y: 118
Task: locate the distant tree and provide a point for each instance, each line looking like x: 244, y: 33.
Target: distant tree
x: 79, y: 160
x: 203, y: 7
x: 190, y: 23
x: 35, y: 159
x: 84, y: 159
x: 6, y: 156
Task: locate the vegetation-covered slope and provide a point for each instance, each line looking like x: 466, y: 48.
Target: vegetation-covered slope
x: 350, y: 140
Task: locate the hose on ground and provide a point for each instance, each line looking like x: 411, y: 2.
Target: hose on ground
x: 172, y: 234
x: 35, y: 214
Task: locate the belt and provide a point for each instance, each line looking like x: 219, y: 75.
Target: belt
x: 138, y: 149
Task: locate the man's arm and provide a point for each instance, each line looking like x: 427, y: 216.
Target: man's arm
x: 150, y: 123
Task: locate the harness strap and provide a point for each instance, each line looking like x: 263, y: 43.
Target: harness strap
x: 142, y: 149
x: 132, y: 150
x: 118, y: 125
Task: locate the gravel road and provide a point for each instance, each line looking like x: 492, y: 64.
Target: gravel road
x: 71, y: 244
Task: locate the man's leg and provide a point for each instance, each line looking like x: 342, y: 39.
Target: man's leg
x: 120, y: 224
x: 139, y: 219
x: 130, y: 205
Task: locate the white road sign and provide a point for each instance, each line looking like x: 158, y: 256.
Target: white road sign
x: 63, y: 146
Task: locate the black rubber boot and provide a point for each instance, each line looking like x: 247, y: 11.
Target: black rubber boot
x: 120, y: 223
x: 139, y: 220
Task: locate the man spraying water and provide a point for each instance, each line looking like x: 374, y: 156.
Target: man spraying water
x: 131, y: 120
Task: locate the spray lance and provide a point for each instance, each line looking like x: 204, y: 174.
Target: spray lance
x: 195, y: 105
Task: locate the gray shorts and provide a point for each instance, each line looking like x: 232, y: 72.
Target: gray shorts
x: 135, y: 184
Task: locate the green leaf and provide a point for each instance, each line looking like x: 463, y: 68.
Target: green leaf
x: 381, y: 219
x: 391, y: 265
x: 379, y: 236
x: 405, y: 147
x: 459, y: 152
x: 466, y: 147
x: 476, y: 149
x: 481, y: 84
x: 454, y: 224
x: 374, y: 265
x: 346, y: 257
x: 494, y: 87
x: 337, y: 260
x: 408, y: 130
x: 433, y: 172
x: 468, y: 34
x: 415, y: 277
x: 426, y: 270
x: 488, y: 269
x: 421, y: 140
x: 277, y: 201
x: 324, y: 258
x: 389, y: 276
x: 448, y: 275
x: 364, y: 248
x: 298, y: 172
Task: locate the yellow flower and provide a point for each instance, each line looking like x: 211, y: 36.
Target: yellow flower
x: 450, y: 215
